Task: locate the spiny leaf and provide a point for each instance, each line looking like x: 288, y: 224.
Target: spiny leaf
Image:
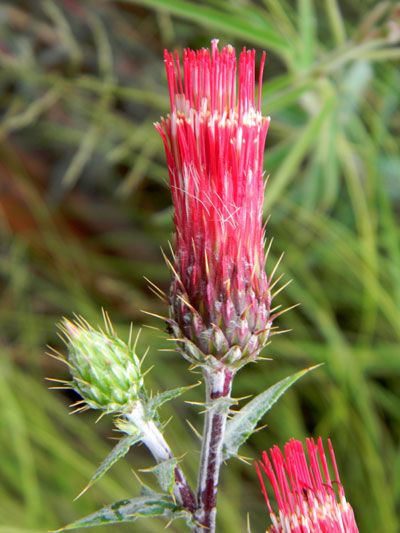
x: 242, y: 424
x: 168, y: 395
x: 147, y: 506
x: 165, y: 474
x: 119, y: 451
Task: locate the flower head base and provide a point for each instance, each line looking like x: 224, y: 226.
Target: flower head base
x: 105, y: 371
x: 214, y: 141
x: 306, y: 498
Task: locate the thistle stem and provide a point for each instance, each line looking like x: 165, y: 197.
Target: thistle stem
x: 154, y: 440
x: 218, y: 400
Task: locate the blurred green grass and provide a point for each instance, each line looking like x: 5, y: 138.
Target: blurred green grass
x: 85, y: 209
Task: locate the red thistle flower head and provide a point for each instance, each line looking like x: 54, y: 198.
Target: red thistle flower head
x: 214, y: 142
x: 304, y: 491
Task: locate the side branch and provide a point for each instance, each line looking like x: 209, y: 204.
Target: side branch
x: 154, y: 440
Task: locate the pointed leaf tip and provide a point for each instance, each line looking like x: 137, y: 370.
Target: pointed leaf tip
x: 168, y: 395
x: 118, y: 452
x: 243, y: 423
x: 165, y: 474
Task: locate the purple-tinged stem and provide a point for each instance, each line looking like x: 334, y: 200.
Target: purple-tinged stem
x: 218, y: 400
x: 158, y: 446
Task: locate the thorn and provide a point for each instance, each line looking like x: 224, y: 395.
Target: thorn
x: 58, y: 380
x: 274, y: 309
x: 280, y: 332
x: 154, y: 327
x: 137, y: 337
x: 82, y: 322
x: 165, y: 424
x: 244, y: 459
x: 79, y: 402
x: 171, y: 250
x: 159, y: 296
x: 82, y: 492
x: 285, y: 310
x: 242, y: 398
x: 197, y: 433
x: 59, y: 358
x: 155, y: 287
x: 79, y: 410
x: 169, y: 265
x: 82, y: 381
x: 100, y: 417
x: 173, y: 497
x: 275, y: 282
x: 194, y: 385
x: 130, y: 335
x: 164, y: 318
x: 269, y: 245
x: 145, y: 354
x: 261, y: 331
x: 196, y: 403
x: 188, y: 304
x: 281, y: 289
x: 53, y: 350
x: 137, y: 477
x: 149, y: 469
x: 107, y: 322
x: 275, y: 267
x: 147, y: 371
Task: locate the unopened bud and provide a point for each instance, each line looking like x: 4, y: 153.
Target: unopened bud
x: 105, y: 370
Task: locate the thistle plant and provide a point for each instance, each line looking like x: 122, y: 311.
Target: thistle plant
x: 220, y: 300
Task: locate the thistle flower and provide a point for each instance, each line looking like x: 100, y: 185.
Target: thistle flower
x: 214, y: 141
x: 305, y: 494
x: 105, y: 370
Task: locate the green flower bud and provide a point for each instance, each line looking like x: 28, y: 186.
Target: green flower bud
x: 105, y: 370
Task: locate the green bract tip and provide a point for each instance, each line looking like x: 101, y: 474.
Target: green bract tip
x: 105, y: 370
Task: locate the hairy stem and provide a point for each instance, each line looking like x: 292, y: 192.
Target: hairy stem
x: 154, y: 440
x: 218, y: 400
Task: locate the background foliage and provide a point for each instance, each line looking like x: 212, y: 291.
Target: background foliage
x: 85, y: 209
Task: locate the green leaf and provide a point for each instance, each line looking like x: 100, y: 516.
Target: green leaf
x: 165, y: 474
x: 147, y: 506
x: 336, y: 21
x: 242, y: 424
x: 119, y: 451
x: 168, y: 395
x: 306, y: 138
x: 307, y: 32
x: 222, y: 21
